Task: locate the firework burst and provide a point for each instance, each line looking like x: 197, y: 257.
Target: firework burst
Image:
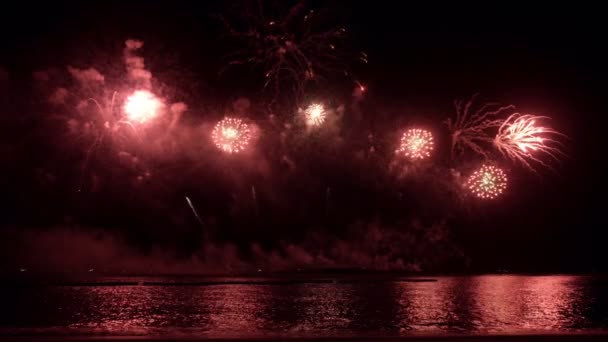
x: 315, y: 115
x: 488, y: 182
x: 142, y: 106
x: 231, y: 135
x: 290, y: 42
x: 521, y: 138
x: 469, y: 129
x: 416, y: 144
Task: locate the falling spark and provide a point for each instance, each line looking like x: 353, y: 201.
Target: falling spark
x: 255, y: 200
x: 470, y: 128
x: 231, y: 135
x: 142, y: 106
x: 315, y: 114
x: 416, y: 144
x: 488, y: 182
x: 198, y: 218
x: 521, y: 138
x: 293, y: 48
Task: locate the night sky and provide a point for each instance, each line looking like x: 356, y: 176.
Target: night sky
x: 322, y: 201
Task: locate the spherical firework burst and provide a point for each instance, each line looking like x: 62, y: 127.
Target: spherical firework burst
x: 416, y: 144
x: 231, y: 135
x: 488, y: 182
x: 521, y: 138
x: 315, y: 114
x: 142, y: 106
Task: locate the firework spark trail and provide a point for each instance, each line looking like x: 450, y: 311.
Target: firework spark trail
x: 416, y: 144
x: 520, y: 137
x: 97, y: 116
x: 198, y: 218
x: 293, y: 49
x: 255, y: 200
x: 106, y: 114
x: 231, y: 135
x: 85, y: 164
x: 470, y: 129
x: 315, y: 115
x: 488, y: 182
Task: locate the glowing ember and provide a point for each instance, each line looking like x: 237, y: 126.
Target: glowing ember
x: 416, y: 144
x: 142, y: 106
x: 231, y: 135
x: 488, y: 182
x: 315, y: 114
x: 520, y: 137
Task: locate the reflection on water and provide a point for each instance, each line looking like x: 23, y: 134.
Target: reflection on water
x: 501, y: 304
x: 508, y: 304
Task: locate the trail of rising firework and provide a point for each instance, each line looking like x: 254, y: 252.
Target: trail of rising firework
x: 198, y: 218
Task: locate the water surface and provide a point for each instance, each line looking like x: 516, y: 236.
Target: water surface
x: 481, y: 304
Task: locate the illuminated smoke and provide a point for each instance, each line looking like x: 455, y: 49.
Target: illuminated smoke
x: 135, y: 64
x: 86, y: 75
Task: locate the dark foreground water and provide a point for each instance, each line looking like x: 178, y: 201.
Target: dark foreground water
x: 324, y: 307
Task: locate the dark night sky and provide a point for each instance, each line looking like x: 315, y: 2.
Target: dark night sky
x: 545, y: 59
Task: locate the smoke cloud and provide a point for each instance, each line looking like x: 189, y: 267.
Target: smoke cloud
x: 135, y: 64
x: 86, y: 75
x: 77, y: 250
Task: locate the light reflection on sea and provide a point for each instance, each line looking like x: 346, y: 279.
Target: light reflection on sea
x: 480, y: 304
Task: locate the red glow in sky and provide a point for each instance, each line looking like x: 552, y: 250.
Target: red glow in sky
x: 142, y: 106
